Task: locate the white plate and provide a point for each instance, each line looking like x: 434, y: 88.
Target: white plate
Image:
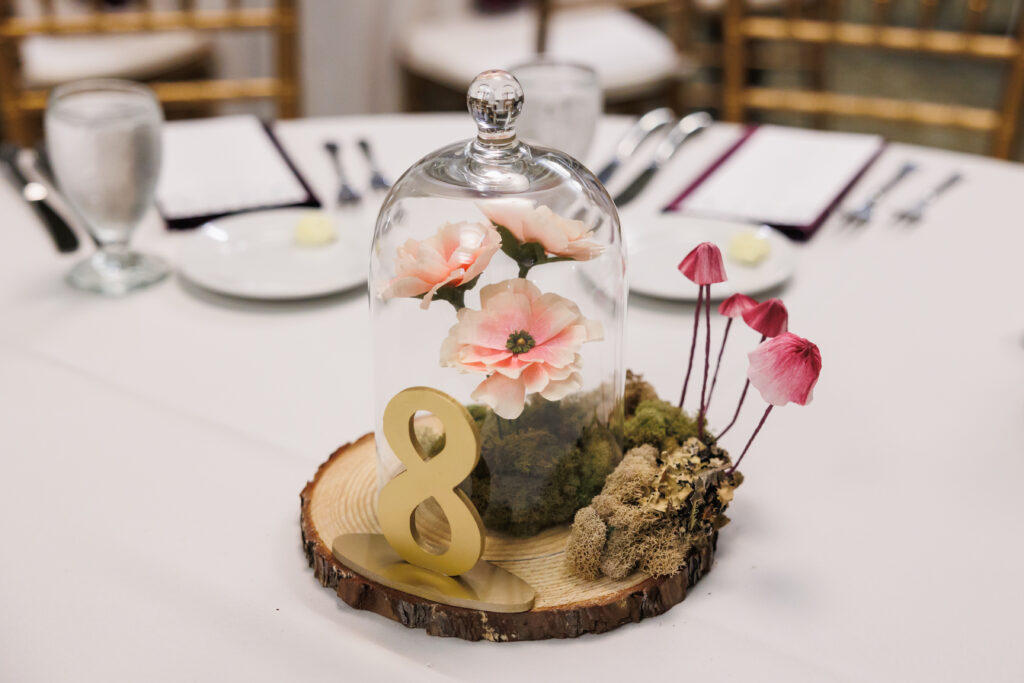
x: 655, y: 244
x: 253, y: 255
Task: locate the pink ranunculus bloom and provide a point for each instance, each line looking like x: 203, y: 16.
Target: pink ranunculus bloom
x: 525, y: 342
x: 736, y: 305
x: 529, y: 223
x: 454, y: 255
x: 785, y: 369
x: 704, y: 264
x: 770, y: 317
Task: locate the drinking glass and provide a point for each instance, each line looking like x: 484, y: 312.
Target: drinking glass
x: 103, y: 138
x: 563, y: 104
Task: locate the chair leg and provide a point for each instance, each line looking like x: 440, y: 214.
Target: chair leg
x: 815, y: 58
x: 412, y: 91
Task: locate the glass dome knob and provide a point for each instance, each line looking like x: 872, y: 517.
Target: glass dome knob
x: 495, y: 100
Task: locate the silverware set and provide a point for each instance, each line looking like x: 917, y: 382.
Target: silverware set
x: 915, y: 211
x: 347, y: 194
x: 22, y: 166
x: 863, y: 213
x: 684, y: 129
x: 687, y: 128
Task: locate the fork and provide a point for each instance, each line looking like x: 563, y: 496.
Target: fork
x: 913, y: 213
x: 346, y: 195
x: 862, y: 214
x: 377, y: 180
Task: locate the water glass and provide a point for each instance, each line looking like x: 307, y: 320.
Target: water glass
x: 103, y: 138
x: 563, y: 103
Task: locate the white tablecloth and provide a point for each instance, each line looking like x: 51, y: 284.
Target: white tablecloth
x: 154, y: 447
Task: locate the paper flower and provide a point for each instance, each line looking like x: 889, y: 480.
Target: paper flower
x: 452, y: 257
x: 770, y: 318
x: 524, y: 341
x: 733, y: 307
x: 704, y: 266
x: 558, y: 237
x: 784, y: 369
x: 736, y: 305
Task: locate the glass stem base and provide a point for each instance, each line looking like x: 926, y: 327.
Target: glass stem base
x: 116, y: 272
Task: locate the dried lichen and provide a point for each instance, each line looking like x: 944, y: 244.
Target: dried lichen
x: 656, y: 509
x: 584, y: 557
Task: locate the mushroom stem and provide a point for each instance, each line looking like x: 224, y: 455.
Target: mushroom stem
x: 707, y: 361
x: 718, y: 364
x: 693, y: 344
x: 746, y: 386
x: 747, y: 447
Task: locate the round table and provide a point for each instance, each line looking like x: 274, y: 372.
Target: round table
x: 155, y: 446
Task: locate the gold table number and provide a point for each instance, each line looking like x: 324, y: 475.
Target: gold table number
x: 436, y: 478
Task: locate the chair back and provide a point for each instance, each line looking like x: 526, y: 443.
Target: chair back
x: 20, y: 102
x: 828, y: 27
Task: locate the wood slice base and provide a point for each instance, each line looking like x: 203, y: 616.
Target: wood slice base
x: 340, y: 499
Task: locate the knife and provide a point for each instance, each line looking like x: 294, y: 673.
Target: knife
x: 634, y: 137
x: 687, y: 127
x: 37, y: 195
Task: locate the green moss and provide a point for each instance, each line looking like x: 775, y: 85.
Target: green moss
x: 538, y: 470
x: 660, y: 424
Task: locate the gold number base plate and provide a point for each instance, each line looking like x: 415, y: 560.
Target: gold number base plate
x: 484, y: 587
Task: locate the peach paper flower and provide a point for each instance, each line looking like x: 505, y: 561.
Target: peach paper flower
x: 530, y: 223
x: 525, y: 341
x: 455, y: 255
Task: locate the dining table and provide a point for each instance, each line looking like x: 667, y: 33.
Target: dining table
x: 155, y: 445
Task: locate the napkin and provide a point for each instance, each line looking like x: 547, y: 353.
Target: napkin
x: 219, y: 166
x: 789, y: 178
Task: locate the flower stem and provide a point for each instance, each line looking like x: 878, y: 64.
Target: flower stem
x: 746, y: 386
x: 693, y: 344
x: 707, y: 360
x: 714, y: 378
x: 747, y: 447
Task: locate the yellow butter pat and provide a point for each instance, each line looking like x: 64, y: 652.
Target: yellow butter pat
x: 315, y: 229
x: 748, y: 247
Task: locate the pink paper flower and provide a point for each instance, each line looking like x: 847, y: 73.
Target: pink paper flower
x: 770, y: 318
x: 736, y: 305
x: 704, y: 264
x: 524, y: 341
x: 455, y: 255
x: 529, y: 223
x: 785, y: 369
x: 733, y: 307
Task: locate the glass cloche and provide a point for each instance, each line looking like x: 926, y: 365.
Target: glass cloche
x: 497, y: 276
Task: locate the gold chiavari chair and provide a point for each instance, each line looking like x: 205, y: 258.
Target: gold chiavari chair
x: 969, y: 42
x: 22, y: 104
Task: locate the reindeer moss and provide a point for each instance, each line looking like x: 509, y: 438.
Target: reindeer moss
x: 654, y: 510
